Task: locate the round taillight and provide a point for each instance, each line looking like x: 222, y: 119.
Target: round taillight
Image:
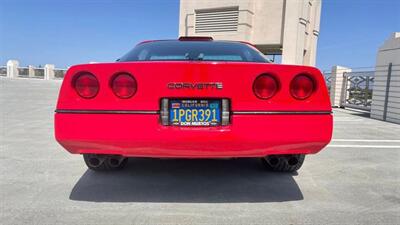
x: 124, y: 85
x: 86, y: 85
x: 302, y: 86
x: 265, y: 86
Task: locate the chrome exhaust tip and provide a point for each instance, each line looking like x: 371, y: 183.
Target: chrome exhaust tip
x: 95, y: 160
x: 115, y: 161
x: 292, y: 161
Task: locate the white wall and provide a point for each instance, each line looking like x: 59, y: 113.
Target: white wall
x: 389, y: 52
x: 338, y: 85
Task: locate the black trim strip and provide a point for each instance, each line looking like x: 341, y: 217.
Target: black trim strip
x: 282, y: 112
x: 74, y: 111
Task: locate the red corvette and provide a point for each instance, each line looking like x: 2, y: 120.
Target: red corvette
x: 193, y: 98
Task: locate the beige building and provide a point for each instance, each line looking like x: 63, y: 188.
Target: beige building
x: 277, y: 27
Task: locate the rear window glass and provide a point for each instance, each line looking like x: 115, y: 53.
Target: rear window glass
x: 194, y: 50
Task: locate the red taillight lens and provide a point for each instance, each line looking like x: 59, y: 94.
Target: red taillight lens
x: 265, y: 86
x: 302, y: 86
x: 124, y: 85
x: 86, y: 85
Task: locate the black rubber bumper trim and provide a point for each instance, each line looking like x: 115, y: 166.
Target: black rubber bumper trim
x: 282, y: 112
x: 74, y: 111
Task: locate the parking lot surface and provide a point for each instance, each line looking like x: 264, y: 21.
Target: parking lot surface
x: 355, y: 180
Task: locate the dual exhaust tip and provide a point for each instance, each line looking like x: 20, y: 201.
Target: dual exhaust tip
x: 113, y: 161
x: 291, y: 160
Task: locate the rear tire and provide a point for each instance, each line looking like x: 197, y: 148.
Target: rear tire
x: 283, y: 163
x: 104, y: 162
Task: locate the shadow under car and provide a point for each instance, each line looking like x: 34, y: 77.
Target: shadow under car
x: 188, y: 181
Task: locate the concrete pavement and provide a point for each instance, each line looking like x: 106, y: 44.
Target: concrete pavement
x: 356, y: 180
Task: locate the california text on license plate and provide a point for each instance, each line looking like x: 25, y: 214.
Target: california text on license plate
x: 194, y: 112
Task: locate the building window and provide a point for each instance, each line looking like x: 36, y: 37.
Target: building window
x: 217, y: 20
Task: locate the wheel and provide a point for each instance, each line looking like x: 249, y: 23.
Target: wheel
x: 104, y: 162
x: 283, y: 163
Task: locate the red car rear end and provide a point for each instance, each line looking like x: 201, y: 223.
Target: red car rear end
x: 193, y: 109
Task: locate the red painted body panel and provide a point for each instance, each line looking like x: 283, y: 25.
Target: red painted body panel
x: 152, y: 79
x: 143, y: 135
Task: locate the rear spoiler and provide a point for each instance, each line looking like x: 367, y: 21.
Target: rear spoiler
x: 195, y: 38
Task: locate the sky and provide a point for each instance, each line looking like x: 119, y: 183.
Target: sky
x: 68, y: 32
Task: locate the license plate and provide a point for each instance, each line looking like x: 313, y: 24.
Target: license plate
x: 194, y: 112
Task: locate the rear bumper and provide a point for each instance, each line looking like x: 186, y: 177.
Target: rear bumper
x: 143, y: 135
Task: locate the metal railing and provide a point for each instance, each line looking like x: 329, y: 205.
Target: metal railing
x: 13, y: 70
x: 38, y: 72
x: 59, y: 73
x: 30, y: 72
x: 328, y: 80
x: 358, y: 89
x: 23, y: 71
x: 3, y: 70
